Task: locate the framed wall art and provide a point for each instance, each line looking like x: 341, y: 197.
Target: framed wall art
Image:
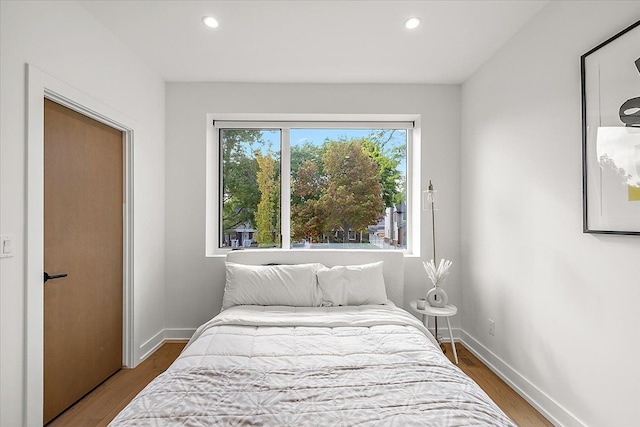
x: 611, y: 134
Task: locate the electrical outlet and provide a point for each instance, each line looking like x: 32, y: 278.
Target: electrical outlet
x: 6, y: 246
x: 492, y: 327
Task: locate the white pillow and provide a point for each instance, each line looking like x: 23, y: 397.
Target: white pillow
x: 293, y: 285
x: 352, y: 285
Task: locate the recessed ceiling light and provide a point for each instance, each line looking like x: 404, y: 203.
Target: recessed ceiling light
x: 210, y: 22
x: 412, y: 23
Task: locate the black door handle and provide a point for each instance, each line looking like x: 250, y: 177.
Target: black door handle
x: 55, y: 276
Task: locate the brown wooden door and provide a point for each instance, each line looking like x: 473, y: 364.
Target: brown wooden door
x: 83, y: 228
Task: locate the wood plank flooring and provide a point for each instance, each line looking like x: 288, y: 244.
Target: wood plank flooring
x: 100, y: 406
x: 518, y: 409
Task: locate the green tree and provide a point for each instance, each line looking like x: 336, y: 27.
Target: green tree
x: 390, y: 176
x: 266, y: 212
x: 240, y: 192
x: 353, y: 196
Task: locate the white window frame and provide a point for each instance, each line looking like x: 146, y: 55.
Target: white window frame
x: 286, y: 122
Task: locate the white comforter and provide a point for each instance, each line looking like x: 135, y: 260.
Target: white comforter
x: 337, y: 366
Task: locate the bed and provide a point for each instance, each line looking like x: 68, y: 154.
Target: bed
x: 319, y: 359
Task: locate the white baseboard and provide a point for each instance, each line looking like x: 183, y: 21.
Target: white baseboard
x: 149, y: 347
x: 548, y: 407
x: 444, y: 333
x: 178, y: 334
x: 165, y: 335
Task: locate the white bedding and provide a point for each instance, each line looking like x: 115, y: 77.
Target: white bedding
x: 288, y: 366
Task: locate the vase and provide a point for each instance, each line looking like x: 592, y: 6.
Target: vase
x: 437, y: 297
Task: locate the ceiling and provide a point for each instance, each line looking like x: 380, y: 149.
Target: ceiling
x: 314, y: 41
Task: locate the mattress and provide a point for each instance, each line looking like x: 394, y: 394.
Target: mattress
x: 312, y: 366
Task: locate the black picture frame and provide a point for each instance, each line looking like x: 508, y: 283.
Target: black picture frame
x: 610, y: 89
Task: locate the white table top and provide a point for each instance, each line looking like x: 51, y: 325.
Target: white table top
x: 446, y: 311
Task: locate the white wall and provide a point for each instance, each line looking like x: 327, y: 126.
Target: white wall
x: 194, y: 282
x: 64, y: 41
x: 565, y: 303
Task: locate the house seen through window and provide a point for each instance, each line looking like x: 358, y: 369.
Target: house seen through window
x: 323, y: 187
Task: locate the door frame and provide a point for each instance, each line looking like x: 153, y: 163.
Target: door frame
x: 41, y: 85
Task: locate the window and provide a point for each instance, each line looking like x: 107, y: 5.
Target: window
x: 250, y: 196
x: 315, y: 185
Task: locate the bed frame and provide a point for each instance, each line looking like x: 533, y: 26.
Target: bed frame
x: 393, y: 268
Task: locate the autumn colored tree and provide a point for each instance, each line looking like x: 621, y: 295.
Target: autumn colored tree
x: 308, y: 220
x: 353, y: 196
x: 307, y: 152
x: 382, y: 146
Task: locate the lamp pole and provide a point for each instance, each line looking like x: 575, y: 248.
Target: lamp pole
x: 433, y: 235
x: 433, y: 219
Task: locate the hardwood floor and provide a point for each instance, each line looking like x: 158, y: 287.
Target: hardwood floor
x: 100, y: 406
x: 518, y: 409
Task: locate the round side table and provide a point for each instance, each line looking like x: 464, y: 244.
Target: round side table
x: 446, y: 312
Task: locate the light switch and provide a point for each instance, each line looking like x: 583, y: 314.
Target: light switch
x: 6, y: 246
